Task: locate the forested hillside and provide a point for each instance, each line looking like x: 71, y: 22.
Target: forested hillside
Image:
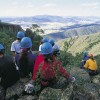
x: 79, y: 44
x: 75, y: 30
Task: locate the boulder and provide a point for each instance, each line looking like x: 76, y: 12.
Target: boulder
x: 81, y: 75
x: 96, y: 80
x: 56, y: 94
x: 17, y: 89
x: 88, y: 91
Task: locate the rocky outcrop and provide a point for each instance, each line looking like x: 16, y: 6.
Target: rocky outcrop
x: 96, y: 80
x: 82, y: 89
x: 10, y: 27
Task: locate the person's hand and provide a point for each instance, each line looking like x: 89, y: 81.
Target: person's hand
x: 71, y: 79
x: 29, y: 88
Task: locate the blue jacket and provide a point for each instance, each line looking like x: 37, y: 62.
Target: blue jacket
x: 85, y: 57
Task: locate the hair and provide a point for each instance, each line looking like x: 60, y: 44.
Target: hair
x: 91, y: 58
x: 2, y: 51
x: 48, y: 57
x: 56, y: 53
x: 19, y: 39
x: 53, y: 44
x: 23, y: 62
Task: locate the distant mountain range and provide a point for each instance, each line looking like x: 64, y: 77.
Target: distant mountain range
x: 48, y: 18
x: 59, y: 27
x: 75, y: 30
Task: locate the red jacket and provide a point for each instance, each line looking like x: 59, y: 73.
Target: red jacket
x: 48, y: 70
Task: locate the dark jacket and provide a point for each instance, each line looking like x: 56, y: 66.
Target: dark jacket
x: 8, y: 73
x: 28, y: 67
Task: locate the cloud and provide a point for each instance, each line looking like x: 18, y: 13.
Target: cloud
x: 94, y: 5
x: 14, y: 3
x: 50, y: 5
x: 30, y: 5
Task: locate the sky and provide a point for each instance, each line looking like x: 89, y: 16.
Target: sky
x: 49, y: 7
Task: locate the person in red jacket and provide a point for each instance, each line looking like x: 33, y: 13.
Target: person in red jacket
x: 46, y: 69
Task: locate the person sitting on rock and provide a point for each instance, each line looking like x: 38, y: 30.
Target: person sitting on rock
x: 91, y: 65
x: 56, y: 50
x: 84, y: 59
x: 52, y: 42
x: 46, y: 70
x: 15, y: 46
x: 26, y: 59
x: 8, y: 72
x: 45, y: 39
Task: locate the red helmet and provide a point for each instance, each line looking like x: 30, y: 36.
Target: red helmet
x: 90, y: 55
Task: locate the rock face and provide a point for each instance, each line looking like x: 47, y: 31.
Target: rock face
x: 96, y: 80
x: 81, y: 75
x: 88, y: 91
x: 10, y: 27
x: 82, y: 89
x: 17, y: 88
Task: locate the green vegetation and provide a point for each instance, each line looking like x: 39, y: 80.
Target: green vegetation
x: 7, y: 37
x: 73, y: 48
x: 36, y: 38
x: 37, y: 29
x: 90, y: 43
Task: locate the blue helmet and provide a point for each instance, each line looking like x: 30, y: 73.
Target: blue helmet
x: 2, y: 49
x: 85, y: 53
x: 51, y: 41
x: 46, y: 48
x: 45, y: 40
x: 26, y: 42
x: 20, y: 34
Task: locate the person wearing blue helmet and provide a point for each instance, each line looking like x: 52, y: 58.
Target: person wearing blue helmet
x: 8, y: 73
x: 56, y: 50
x: 43, y: 41
x: 26, y: 59
x: 15, y: 46
x: 46, y: 70
x: 52, y: 42
x: 84, y: 59
x: 2, y: 49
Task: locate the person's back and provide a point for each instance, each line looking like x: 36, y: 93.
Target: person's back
x: 46, y: 69
x: 56, y: 50
x: 91, y: 65
x: 84, y: 59
x: 15, y: 46
x: 25, y: 60
x: 44, y: 40
x: 85, y: 56
x: 25, y: 63
x: 8, y: 73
